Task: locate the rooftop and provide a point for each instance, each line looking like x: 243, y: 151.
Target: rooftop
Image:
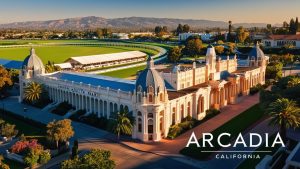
x: 176, y: 94
x: 107, y: 57
x: 284, y: 37
x: 11, y: 64
x: 244, y: 69
x: 96, y: 80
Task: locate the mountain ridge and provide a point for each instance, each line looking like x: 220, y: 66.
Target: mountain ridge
x: 93, y: 22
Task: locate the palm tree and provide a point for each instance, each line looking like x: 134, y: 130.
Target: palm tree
x: 123, y: 123
x: 33, y: 92
x: 294, y: 82
x: 286, y: 114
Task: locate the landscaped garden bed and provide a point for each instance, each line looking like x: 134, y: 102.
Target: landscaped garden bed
x: 62, y: 109
x: 35, y: 145
x: 189, y: 123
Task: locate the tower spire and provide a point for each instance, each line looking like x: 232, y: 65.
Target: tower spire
x: 150, y: 63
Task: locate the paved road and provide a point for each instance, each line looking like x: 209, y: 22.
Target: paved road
x: 90, y: 137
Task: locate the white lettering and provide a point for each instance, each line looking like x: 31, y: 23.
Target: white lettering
x: 219, y: 140
x: 240, y: 140
x: 193, y: 140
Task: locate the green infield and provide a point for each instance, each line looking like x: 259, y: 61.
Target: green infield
x: 28, y: 42
x: 59, y: 54
x: 125, y: 73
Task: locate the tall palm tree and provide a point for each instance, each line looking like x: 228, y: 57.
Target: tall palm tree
x: 33, y: 92
x: 123, y: 123
x: 286, y: 114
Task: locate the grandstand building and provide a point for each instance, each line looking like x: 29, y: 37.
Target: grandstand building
x: 157, y: 99
x: 104, y: 60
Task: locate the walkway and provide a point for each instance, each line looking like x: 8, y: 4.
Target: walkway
x: 172, y: 147
x: 90, y: 137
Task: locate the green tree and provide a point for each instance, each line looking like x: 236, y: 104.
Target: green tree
x: 274, y: 70
x: 292, y: 28
x: 193, y: 47
x: 2, y: 164
x: 31, y: 158
x: 186, y: 28
x: 60, y: 131
x: 179, y: 29
x: 293, y: 82
x: 5, y: 80
x: 8, y: 130
x: 174, y: 54
x: 285, y: 113
x: 75, y: 150
x: 220, y: 42
x: 33, y: 92
x: 219, y: 49
x: 242, y: 34
x: 44, y: 157
x: 123, y: 124
x: 158, y: 30
x: 96, y: 159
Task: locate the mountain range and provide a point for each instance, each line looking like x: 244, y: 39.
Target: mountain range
x: 133, y: 23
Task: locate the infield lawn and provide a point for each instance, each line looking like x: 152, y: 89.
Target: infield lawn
x: 59, y: 54
x: 125, y: 73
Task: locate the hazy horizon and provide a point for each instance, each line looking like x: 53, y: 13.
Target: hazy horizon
x: 238, y: 11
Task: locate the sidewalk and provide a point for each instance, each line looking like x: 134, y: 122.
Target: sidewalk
x: 172, y: 147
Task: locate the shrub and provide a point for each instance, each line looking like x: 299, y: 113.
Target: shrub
x: 75, y: 150
x: 22, y: 147
x: 8, y: 130
x: 211, y: 113
x: 174, y: 131
x: 62, y: 108
x: 31, y: 158
x: 77, y: 114
x: 186, y: 124
x: 45, y: 156
x: 256, y: 89
x: 95, y: 121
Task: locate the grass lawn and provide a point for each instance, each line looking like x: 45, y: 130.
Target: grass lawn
x: 26, y: 42
x: 13, y: 164
x: 124, y: 73
x: 24, y: 127
x: 59, y: 54
x: 236, y: 125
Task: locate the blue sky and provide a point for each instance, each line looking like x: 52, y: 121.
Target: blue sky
x: 268, y: 11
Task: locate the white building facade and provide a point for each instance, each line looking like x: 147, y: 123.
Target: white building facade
x: 282, y: 40
x: 158, y: 99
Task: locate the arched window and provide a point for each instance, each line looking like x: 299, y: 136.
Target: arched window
x: 115, y: 107
x: 150, y: 89
x: 139, y: 89
x: 189, y: 109
x: 126, y: 109
x: 139, y: 94
x: 182, y: 111
x: 121, y: 107
x: 161, y: 123
x: 139, y: 125
x: 139, y: 113
x: 150, y: 115
x: 150, y: 126
x: 161, y: 98
x: 150, y: 98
